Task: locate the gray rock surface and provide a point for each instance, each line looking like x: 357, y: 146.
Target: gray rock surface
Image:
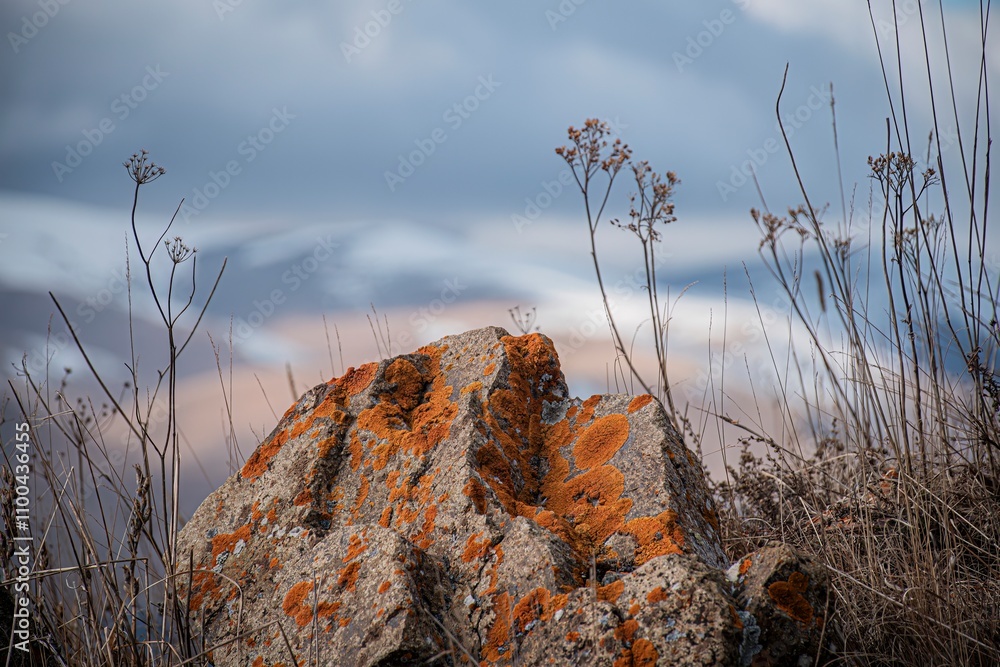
x: 456, y: 506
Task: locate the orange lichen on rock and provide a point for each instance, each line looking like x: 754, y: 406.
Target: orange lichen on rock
x: 257, y: 464
x: 363, y: 490
x: 531, y: 607
x: 304, y: 497
x: 657, y: 536
x: 356, y: 380
x: 611, y: 592
x: 658, y: 594
x: 227, y: 541
x: 489, y: 369
x: 745, y: 565
x: 644, y: 654
x: 626, y: 631
x: 348, y: 575
x: 787, y: 596
x: 355, y: 547
x: 425, y: 538
x: 384, y: 586
x: 471, y: 387
x: 637, y: 652
x: 409, y: 418
x: 499, y: 632
x: 594, y: 500
x: 600, y: 441
x: 639, y: 402
x: 298, y: 605
x: 475, y: 549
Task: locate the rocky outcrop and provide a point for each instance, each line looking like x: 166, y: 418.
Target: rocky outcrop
x: 456, y: 506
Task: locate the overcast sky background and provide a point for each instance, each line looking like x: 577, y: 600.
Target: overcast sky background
x: 309, y: 114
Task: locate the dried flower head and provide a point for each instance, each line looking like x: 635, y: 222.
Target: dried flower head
x: 141, y: 171
x: 178, y: 251
x: 589, y: 149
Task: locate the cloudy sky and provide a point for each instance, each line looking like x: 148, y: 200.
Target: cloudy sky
x: 400, y: 154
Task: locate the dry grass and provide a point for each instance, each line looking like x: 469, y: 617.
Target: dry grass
x: 105, y: 571
x: 887, y: 467
x: 886, y: 464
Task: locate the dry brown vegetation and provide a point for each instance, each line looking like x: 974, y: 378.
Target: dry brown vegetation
x: 886, y: 467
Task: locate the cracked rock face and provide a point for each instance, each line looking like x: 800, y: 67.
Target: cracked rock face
x: 456, y: 505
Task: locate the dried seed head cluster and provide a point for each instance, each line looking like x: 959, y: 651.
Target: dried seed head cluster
x: 178, y: 251
x: 774, y: 226
x: 895, y: 170
x: 142, y: 171
x: 588, y: 148
x: 651, y: 203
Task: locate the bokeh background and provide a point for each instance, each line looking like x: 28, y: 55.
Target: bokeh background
x: 398, y: 156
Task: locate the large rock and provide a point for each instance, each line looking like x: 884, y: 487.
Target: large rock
x: 455, y: 505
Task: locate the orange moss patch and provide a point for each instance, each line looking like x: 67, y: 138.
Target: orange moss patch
x: 658, y: 594
x: 787, y: 596
x: 600, y: 441
x: 639, y: 402
x: 611, y: 592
